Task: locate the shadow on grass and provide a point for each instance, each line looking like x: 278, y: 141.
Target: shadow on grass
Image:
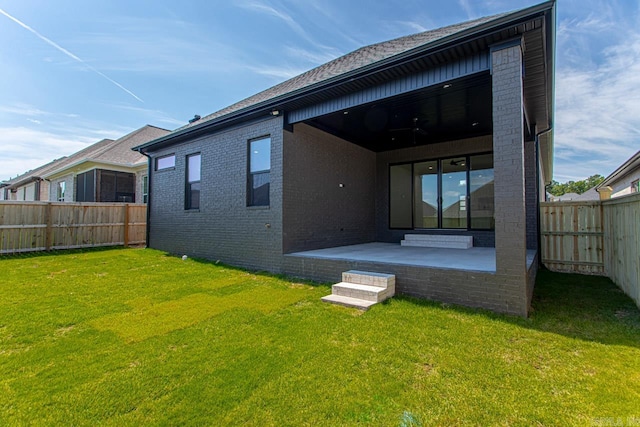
x: 590, y: 308
x: 38, y: 254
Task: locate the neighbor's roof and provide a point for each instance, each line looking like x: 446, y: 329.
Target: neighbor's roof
x: 112, y: 152
x: 31, y: 175
x: 627, y: 167
x: 365, y: 59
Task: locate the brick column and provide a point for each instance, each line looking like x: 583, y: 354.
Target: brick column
x: 508, y: 161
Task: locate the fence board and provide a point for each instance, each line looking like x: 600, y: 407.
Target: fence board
x: 622, y: 243
x: 572, y: 237
x: 37, y: 226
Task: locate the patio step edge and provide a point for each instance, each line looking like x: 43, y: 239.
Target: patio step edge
x: 365, y: 292
x: 348, y: 302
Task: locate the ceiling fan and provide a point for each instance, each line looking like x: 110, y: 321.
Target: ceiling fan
x: 414, y: 130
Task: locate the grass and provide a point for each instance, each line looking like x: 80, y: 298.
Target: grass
x: 131, y: 336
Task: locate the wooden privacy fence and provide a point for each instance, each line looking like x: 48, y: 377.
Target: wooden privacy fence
x: 43, y: 226
x: 600, y: 237
x: 572, y: 236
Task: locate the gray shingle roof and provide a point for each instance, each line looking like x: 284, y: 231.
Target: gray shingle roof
x: 110, y: 151
x: 353, y: 61
x: 34, y: 173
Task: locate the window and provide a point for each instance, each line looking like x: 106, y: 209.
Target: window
x: 166, y: 162
x: 635, y: 186
x: 192, y: 191
x: 145, y: 189
x: 85, y: 187
x: 258, y: 179
x: 61, y: 190
x: 453, y: 193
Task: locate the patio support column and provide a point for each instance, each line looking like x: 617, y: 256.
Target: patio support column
x: 509, y: 170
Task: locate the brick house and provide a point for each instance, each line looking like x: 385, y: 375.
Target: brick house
x: 443, y: 133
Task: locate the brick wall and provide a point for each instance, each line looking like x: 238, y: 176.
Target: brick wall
x: 509, y: 173
x: 69, y: 194
x: 329, y: 191
x: 224, y: 228
x: 531, y: 199
x: 469, y: 288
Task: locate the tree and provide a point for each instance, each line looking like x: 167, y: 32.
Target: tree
x: 579, y: 187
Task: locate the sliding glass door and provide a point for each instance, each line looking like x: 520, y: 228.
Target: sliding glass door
x: 452, y: 193
x: 425, y: 178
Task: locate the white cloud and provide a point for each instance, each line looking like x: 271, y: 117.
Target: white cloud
x: 42, y: 147
x: 466, y: 6
x: 309, y: 56
x: 597, y: 110
x: 152, y: 116
x: 280, y: 73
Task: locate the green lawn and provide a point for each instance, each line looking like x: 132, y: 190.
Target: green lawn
x: 131, y: 336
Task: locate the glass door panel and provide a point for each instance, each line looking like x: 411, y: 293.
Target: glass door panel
x: 481, y: 192
x: 454, y: 193
x: 425, y: 184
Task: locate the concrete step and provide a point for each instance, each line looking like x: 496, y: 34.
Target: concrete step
x: 348, y: 301
x: 437, y: 241
x: 381, y: 280
x: 364, y: 292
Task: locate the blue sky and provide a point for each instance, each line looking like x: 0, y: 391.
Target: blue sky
x: 73, y: 72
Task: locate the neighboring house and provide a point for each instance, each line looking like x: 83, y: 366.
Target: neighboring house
x: 445, y: 132
x: 29, y: 186
x: 624, y: 180
x: 107, y: 171
x: 590, y: 195
x: 566, y: 197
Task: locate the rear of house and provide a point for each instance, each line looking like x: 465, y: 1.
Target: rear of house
x: 438, y: 134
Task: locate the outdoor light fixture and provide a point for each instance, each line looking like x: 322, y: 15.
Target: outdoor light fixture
x: 474, y: 124
x: 275, y: 112
x: 447, y: 86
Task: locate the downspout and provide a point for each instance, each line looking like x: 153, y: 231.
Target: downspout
x: 148, y: 196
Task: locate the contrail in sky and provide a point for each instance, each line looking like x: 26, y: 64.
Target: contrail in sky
x: 69, y: 54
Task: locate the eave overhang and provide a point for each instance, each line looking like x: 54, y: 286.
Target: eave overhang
x: 474, y: 39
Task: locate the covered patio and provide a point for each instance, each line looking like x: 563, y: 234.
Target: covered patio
x: 472, y: 259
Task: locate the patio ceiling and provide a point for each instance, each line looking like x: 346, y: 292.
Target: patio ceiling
x: 458, y: 109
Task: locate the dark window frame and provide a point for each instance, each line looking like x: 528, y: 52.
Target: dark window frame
x: 157, y: 160
x: 190, y: 202
x: 252, y: 175
x: 439, y: 163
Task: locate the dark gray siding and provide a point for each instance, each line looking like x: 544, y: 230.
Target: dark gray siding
x: 317, y: 211
x: 425, y: 152
x: 224, y: 228
x: 463, y: 67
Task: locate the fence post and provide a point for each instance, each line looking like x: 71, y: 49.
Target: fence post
x: 49, y: 228
x: 126, y: 225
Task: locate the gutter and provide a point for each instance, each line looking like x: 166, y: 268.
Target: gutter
x: 276, y: 102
